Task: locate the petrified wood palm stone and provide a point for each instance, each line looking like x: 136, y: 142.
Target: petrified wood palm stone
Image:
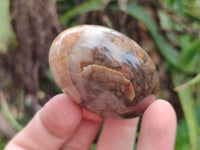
x: 104, y: 71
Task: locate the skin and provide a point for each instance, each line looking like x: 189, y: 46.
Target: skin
x: 63, y: 125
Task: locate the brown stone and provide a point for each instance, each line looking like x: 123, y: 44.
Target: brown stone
x: 104, y: 71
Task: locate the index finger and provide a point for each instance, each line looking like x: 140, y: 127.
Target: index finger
x: 51, y: 126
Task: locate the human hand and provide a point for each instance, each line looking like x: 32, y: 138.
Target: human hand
x: 63, y: 125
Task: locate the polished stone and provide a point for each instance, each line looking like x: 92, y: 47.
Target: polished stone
x: 104, y: 71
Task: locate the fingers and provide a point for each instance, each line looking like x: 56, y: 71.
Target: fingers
x: 158, y: 127
x: 51, y: 126
x: 85, y: 133
x: 61, y: 123
x: 117, y: 135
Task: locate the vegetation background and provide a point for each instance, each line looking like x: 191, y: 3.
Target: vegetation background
x: 169, y: 30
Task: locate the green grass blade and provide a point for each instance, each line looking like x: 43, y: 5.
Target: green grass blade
x: 93, y: 146
x: 190, y: 56
x: 193, y: 81
x: 7, y: 113
x: 182, y: 139
x: 51, y: 78
x: 6, y: 34
x: 168, y: 52
x: 83, y: 8
x: 187, y: 101
x: 3, y: 142
x: 180, y: 8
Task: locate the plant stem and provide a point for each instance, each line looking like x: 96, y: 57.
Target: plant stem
x: 186, y: 100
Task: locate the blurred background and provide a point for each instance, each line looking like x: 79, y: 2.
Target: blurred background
x: 169, y: 30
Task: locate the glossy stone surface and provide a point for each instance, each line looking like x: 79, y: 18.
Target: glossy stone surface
x: 104, y: 71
